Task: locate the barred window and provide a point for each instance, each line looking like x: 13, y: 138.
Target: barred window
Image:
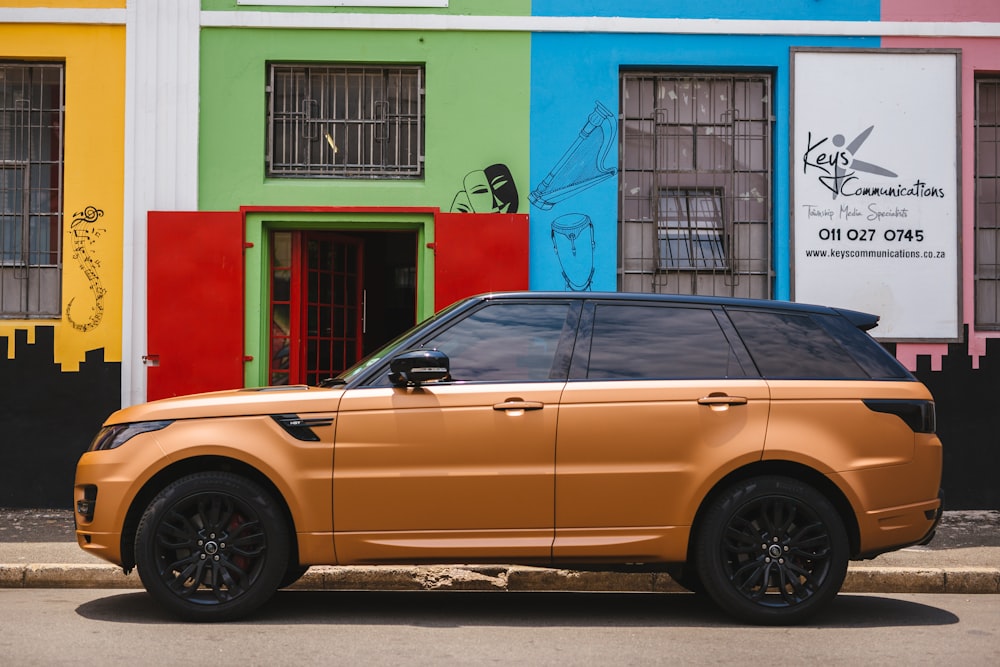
x: 690, y: 230
x: 988, y: 203
x: 695, y: 156
x: 345, y: 121
x: 31, y: 188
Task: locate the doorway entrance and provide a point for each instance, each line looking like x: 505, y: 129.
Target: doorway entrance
x: 334, y: 297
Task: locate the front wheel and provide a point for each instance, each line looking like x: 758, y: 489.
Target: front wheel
x: 212, y: 547
x: 772, y: 550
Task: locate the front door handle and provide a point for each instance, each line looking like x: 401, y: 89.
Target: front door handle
x: 722, y: 399
x: 519, y: 405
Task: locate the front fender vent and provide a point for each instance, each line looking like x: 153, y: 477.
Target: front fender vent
x: 299, y: 428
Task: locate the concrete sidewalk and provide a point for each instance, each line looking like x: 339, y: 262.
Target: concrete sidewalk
x: 964, y: 558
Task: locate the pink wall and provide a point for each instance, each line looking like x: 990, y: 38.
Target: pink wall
x: 941, y: 10
x: 978, y: 55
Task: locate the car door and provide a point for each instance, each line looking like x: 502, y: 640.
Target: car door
x: 661, y: 403
x: 461, y: 469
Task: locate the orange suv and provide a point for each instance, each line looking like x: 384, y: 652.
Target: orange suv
x: 749, y: 448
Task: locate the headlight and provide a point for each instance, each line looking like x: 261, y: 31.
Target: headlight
x: 111, y: 437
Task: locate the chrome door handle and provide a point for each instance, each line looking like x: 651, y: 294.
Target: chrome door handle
x: 517, y: 404
x: 722, y: 400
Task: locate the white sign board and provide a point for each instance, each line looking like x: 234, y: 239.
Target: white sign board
x: 875, y: 187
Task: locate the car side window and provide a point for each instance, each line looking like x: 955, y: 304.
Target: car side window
x: 864, y: 349
x: 793, y: 346
x: 656, y: 342
x: 507, y: 342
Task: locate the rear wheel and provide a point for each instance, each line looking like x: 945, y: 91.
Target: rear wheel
x: 772, y: 550
x: 687, y: 577
x: 212, y: 547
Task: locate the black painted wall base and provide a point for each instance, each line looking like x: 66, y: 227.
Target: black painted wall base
x: 968, y: 417
x: 48, y: 417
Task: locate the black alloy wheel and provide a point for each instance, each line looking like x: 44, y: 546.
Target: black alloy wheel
x: 212, y: 547
x: 772, y: 550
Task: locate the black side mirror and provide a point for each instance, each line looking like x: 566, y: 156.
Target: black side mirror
x: 418, y: 367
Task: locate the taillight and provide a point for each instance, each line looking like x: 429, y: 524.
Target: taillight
x: 919, y: 415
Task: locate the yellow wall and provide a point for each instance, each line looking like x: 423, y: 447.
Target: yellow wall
x: 94, y: 56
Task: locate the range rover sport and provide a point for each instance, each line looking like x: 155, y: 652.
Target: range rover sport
x: 749, y: 448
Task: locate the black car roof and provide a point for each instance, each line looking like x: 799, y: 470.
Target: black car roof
x: 862, y: 320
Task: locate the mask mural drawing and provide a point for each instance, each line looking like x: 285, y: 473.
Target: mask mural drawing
x: 489, y: 190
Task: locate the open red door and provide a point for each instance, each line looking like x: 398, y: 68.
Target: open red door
x: 194, y: 302
x: 478, y: 252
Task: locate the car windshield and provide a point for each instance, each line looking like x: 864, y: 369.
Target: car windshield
x: 381, y: 353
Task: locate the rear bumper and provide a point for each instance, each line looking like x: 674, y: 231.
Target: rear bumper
x: 898, y: 527
x: 937, y: 519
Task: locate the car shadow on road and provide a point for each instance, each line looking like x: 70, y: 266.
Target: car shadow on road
x: 468, y: 609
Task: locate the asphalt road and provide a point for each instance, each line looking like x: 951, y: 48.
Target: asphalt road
x: 53, y: 627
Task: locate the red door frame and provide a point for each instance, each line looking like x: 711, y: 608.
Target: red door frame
x: 298, y: 337
x: 356, y: 246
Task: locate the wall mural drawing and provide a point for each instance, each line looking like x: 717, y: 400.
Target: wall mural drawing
x: 489, y: 190
x: 85, y: 234
x: 583, y: 165
x: 574, y: 246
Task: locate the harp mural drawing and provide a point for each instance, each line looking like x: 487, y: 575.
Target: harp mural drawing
x: 583, y: 165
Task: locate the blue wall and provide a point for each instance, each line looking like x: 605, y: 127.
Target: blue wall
x: 572, y: 72
x: 825, y: 10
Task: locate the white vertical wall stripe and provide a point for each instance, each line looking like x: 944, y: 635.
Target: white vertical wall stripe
x: 161, y: 150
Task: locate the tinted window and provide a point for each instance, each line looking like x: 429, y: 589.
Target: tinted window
x: 652, y: 342
x: 791, y: 345
x: 505, y: 342
x: 864, y: 349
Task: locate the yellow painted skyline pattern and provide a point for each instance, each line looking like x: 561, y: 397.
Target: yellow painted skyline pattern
x: 93, y: 181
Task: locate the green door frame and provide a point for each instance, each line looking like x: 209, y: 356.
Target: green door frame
x: 260, y: 221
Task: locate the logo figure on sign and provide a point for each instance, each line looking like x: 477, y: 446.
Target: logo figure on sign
x: 840, y: 166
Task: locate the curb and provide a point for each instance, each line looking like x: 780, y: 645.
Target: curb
x: 957, y: 580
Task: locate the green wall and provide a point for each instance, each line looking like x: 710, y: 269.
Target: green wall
x: 477, y: 113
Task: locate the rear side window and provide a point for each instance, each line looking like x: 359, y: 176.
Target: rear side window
x: 793, y: 346
x: 865, y: 350
x: 655, y: 342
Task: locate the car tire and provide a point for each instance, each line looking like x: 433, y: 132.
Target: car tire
x: 293, y: 573
x: 686, y: 576
x: 772, y: 551
x: 212, y: 546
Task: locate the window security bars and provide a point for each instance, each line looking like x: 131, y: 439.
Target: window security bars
x: 31, y: 187
x: 690, y: 230
x: 988, y: 203
x: 695, y: 159
x: 345, y: 121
